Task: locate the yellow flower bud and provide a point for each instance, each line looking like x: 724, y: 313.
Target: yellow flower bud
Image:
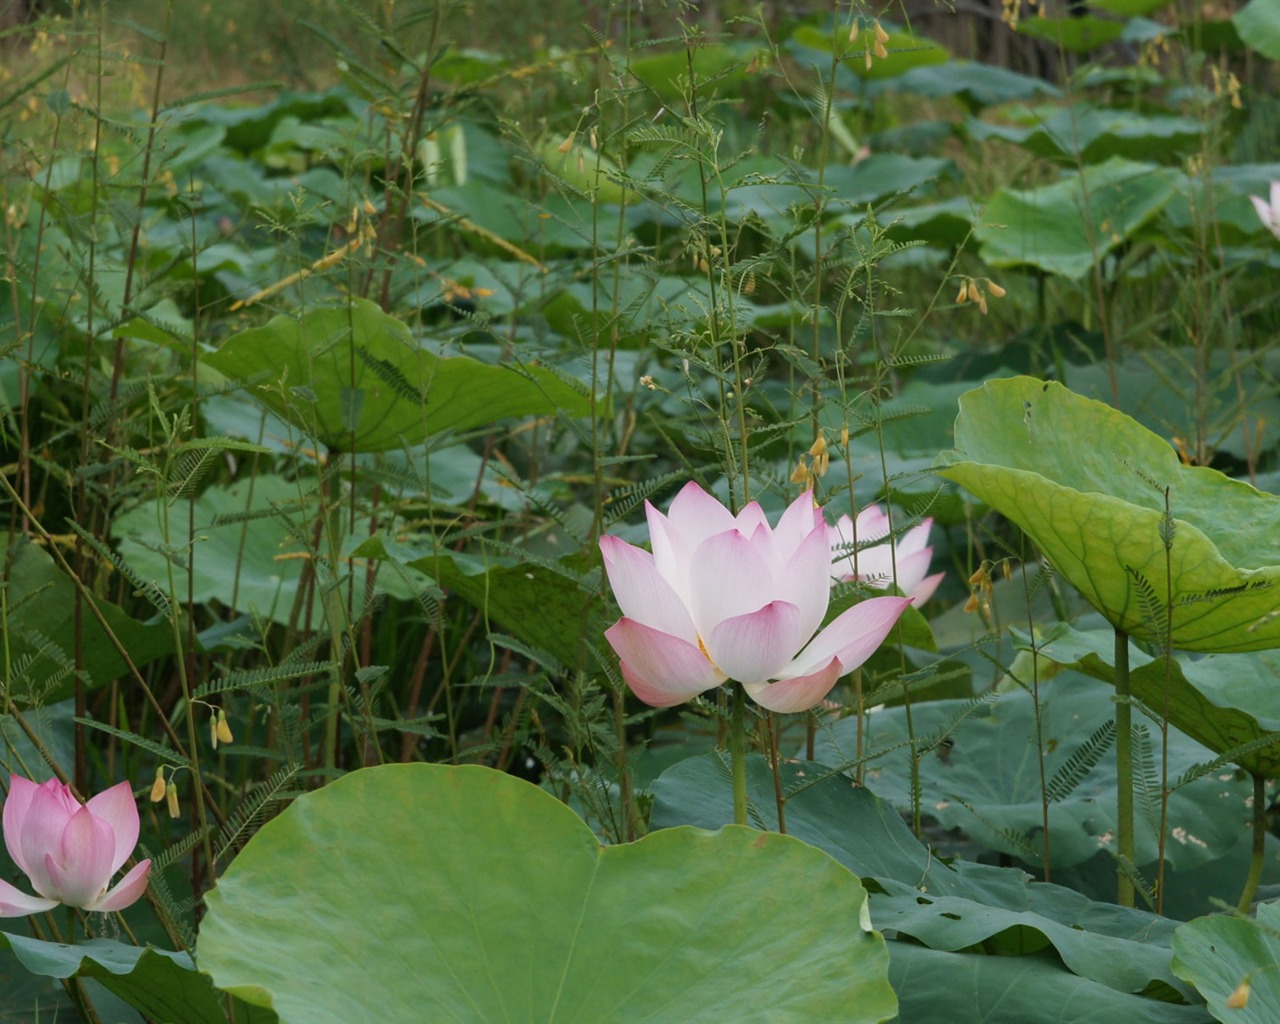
x: 1239, y: 997
x: 158, y: 787
x: 818, y: 447
x: 963, y: 296
x: 171, y: 795
x: 995, y: 289
x: 567, y: 145
x: 882, y: 36
x: 853, y: 31
x: 223, y: 730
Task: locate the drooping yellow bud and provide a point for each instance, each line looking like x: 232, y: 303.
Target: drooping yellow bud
x: 567, y: 145
x: 213, y: 730
x: 171, y: 795
x: 963, y: 295
x: 821, y: 463
x: 158, y: 787
x: 818, y: 447
x: 800, y: 474
x: 1239, y: 997
x: 995, y: 289
x: 1007, y: 569
x: 223, y: 729
x: 882, y: 36
x: 853, y: 31
x: 971, y: 605
x: 978, y: 576
x: 844, y: 437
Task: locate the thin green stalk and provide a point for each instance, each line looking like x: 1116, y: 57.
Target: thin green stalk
x: 737, y: 753
x: 1124, y: 772
x: 775, y: 727
x: 1259, y: 844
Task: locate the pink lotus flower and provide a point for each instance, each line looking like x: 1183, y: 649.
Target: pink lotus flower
x: 1269, y: 212
x: 876, y: 563
x: 69, y: 850
x: 728, y: 597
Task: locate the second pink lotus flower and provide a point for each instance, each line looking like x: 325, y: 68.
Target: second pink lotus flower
x: 905, y: 560
x: 730, y: 597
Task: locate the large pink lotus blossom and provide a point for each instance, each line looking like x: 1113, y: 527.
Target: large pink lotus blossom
x: 910, y: 554
x: 1269, y: 212
x: 70, y: 850
x: 729, y: 597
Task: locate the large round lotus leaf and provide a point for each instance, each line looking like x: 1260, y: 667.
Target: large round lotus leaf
x: 435, y: 893
x: 1087, y: 485
x: 1221, y: 956
x: 355, y: 379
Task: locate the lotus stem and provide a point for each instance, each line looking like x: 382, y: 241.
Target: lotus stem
x: 1259, y: 843
x: 1124, y: 774
x: 737, y: 752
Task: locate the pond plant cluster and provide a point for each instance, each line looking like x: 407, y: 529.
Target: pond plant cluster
x: 653, y: 521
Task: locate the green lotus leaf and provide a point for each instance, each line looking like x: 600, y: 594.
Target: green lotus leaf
x: 355, y: 379
x: 1070, y: 225
x: 41, y: 633
x: 987, y: 781
x: 947, y: 905
x: 536, y: 603
x: 937, y: 986
x: 1087, y: 484
x: 246, y: 553
x: 1218, y: 954
x: 1076, y: 35
x: 1091, y: 134
x: 424, y: 892
x: 163, y: 985
x: 1258, y: 24
x: 1224, y: 701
